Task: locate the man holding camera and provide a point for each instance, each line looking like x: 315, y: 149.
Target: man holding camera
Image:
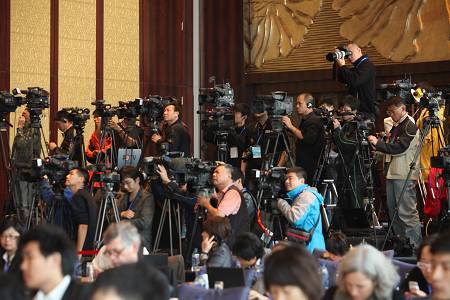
x: 174, y: 131
x: 309, y: 134
x: 399, y: 150
x: 302, y: 210
x: 230, y: 201
x: 360, y: 79
x: 64, y: 123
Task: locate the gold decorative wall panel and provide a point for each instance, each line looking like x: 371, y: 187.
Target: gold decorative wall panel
x: 77, y: 56
x: 121, y: 50
x: 290, y: 35
x: 30, y: 51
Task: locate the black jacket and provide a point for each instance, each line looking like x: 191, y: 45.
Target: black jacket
x: 361, y: 83
x: 143, y: 207
x: 220, y: 257
x: 417, y: 276
x: 84, y: 211
x: 177, y: 137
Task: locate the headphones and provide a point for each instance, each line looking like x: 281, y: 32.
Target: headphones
x: 310, y: 104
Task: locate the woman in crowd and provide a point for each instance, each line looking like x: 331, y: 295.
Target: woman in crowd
x: 365, y: 273
x: 215, y: 251
x: 136, y: 205
x: 418, y: 281
x: 10, y: 233
x: 292, y: 273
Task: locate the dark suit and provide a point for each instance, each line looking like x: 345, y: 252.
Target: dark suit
x: 143, y: 207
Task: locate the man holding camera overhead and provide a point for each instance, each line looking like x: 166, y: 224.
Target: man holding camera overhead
x: 360, y: 78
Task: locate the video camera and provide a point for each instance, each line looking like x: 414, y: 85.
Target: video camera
x: 9, y: 102
x: 192, y: 171
x: 153, y: 109
x: 339, y: 53
x: 55, y: 168
x: 271, y: 185
x: 220, y: 95
x: 104, y: 110
x: 78, y: 115
x: 130, y: 109
x: 277, y: 105
x: 401, y: 88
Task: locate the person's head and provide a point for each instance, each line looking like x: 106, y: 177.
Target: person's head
x: 247, y: 248
x: 237, y: 177
x: 292, y: 273
x: 122, y: 243
x: 337, y: 244
x: 440, y: 267
x: 356, y: 52
x: 424, y: 257
x: 172, y: 112
x: 10, y: 233
x: 97, y: 119
x: 294, y: 177
x: 77, y: 178
x: 241, y: 113
x: 47, y: 256
x: 327, y: 103
x: 216, y: 226
x: 396, y: 108
x: 221, y: 176
x: 304, y: 104
x: 348, y: 105
x: 131, y: 179
x: 364, y: 272
x: 63, y: 120
x: 133, y: 281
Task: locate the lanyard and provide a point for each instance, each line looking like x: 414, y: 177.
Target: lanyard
x: 131, y: 203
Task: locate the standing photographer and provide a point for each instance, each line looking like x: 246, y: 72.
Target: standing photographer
x: 239, y: 139
x: 309, y: 134
x: 174, y: 131
x: 360, y: 79
x: 64, y: 123
x: 26, y: 146
x: 398, y: 150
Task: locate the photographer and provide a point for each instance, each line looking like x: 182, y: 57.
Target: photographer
x: 230, y: 201
x: 136, y: 205
x: 302, y: 210
x: 399, y: 150
x: 129, y: 132
x: 26, y: 146
x: 174, y: 131
x: 360, y: 79
x: 239, y: 139
x: 309, y: 134
x: 64, y: 123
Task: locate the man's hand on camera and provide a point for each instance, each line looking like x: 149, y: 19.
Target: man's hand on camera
x: 203, y: 201
x: 52, y: 146
x: 128, y: 214
x: 372, y: 139
x: 287, y: 122
x: 161, y: 170
x: 156, y: 137
x: 114, y: 125
x: 340, y: 62
x: 336, y: 123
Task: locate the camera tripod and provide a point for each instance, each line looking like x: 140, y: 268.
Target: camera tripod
x: 169, y: 209
x: 222, y: 146
x: 431, y: 123
x: 77, y: 151
x: 108, y: 200
x: 6, y: 159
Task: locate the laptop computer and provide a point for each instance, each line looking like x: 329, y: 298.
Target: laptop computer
x: 128, y: 157
x: 231, y: 277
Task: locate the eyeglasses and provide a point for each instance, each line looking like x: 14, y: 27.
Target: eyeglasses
x: 424, y: 266
x: 114, y: 252
x: 10, y: 237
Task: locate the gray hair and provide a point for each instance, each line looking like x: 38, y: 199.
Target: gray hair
x: 126, y: 231
x: 372, y: 263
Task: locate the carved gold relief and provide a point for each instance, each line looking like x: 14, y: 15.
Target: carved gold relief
x: 277, y: 27
x: 413, y: 30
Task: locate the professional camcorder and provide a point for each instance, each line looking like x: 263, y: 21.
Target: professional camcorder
x: 9, y: 102
x: 153, y: 109
x: 220, y: 95
x: 277, y: 105
x: 401, y: 88
x: 271, y: 185
x: 340, y: 53
x: 130, y: 109
x: 78, y: 115
x: 55, y: 168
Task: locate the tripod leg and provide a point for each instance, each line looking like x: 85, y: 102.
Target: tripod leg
x: 179, y: 227
x: 170, y: 227
x: 160, y: 227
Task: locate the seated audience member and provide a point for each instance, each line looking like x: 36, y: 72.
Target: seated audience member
x: 292, y: 273
x: 10, y: 233
x: 247, y: 249
x: 11, y: 288
x: 215, y: 251
x: 302, y: 210
x: 337, y: 246
x: 136, y: 205
x: 422, y: 273
x: 133, y: 281
x: 48, y: 260
x: 365, y: 273
x: 440, y: 267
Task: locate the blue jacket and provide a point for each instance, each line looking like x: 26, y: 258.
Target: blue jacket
x: 302, y: 210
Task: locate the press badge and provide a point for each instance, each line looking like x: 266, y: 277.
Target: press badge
x: 234, y: 152
x: 256, y: 151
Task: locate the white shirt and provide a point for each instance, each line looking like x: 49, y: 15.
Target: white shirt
x: 57, y: 293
